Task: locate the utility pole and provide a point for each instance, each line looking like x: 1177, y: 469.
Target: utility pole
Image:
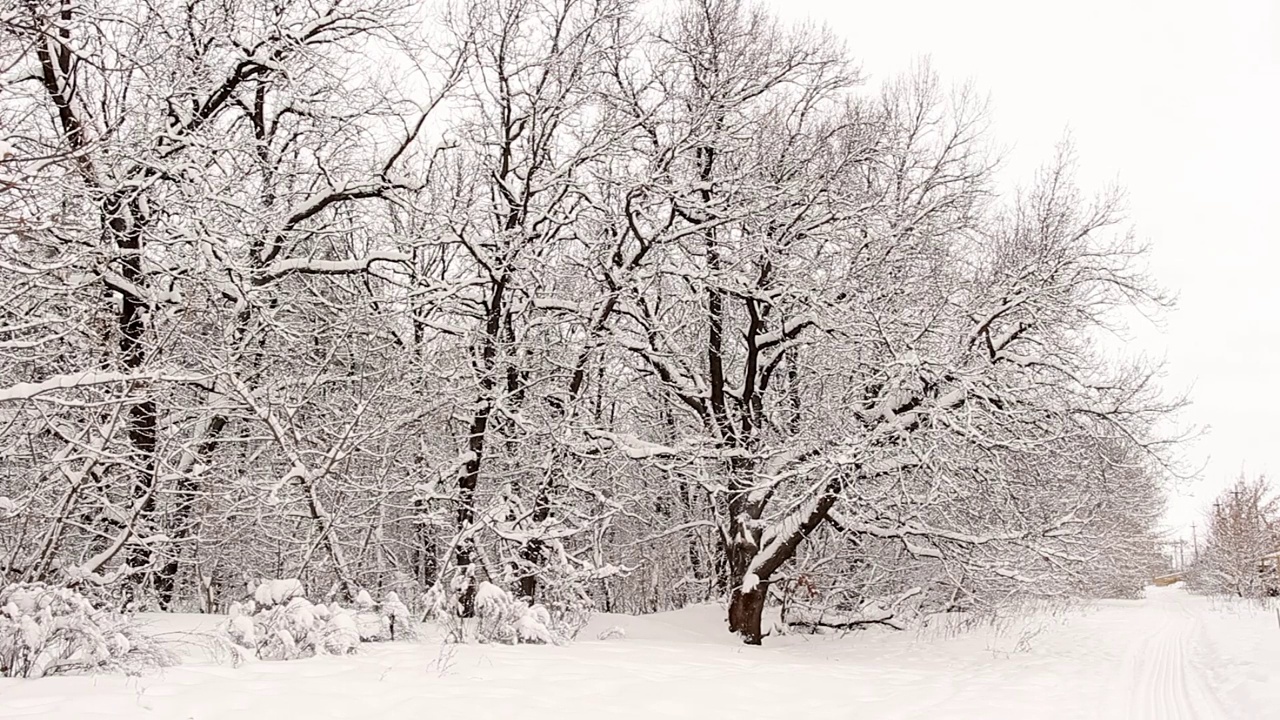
x: 1195, y: 545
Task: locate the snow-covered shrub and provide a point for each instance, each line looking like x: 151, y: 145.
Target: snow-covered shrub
x: 294, y: 630
x: 500, y: 617
x: 286, y: 632
x: 384, y: 621
x: 1238, y: 557
x: 503, y: 618
x: 342, y: 637
x: 443, y: 605
x: 368, y: 620
x: 569, y: 612
x: 564, y: 589
x: 613, y: 633
x: 400, y: 622
x: 47, y: 631
x: 270, y: 593
x: 240, y: 629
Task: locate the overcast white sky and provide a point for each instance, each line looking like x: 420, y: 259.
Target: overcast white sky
x: 1180, y: 103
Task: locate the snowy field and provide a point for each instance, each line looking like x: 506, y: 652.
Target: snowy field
x: 1170, y: 656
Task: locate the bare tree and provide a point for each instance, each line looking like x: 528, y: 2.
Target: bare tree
x: 215, y: 174
x: 880, y: 340
x: 1244, y: 526
x: 583, y: 301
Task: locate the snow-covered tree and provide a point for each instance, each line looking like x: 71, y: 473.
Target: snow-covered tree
x: 209, y: 192
x: 582, y: 304
x: 850, y: 333
x: 1244, y: 526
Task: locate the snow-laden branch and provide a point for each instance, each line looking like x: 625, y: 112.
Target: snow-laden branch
x: 637, y: 449
x: 88, y: 378
x: 906, y: 531
x: 632, y: 446
x: 313, y: 266
x: 870, y: 612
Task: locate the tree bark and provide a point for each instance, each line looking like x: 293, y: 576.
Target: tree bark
x: 746, y: 611
x: 124, y: 223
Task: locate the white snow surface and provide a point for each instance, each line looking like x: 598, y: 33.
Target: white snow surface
x: 1169, y: 656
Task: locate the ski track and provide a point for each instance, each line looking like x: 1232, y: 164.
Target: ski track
x: 1162, y: 679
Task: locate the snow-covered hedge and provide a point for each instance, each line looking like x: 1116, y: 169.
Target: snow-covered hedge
x: 50, y: 630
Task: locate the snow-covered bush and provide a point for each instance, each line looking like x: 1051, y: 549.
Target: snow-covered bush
x: 500, y: 617
x: 48, y: 631
x: 1238, y: 556
x: 565, y: 588
x: 615, y: 632
x: 342, y: 636
x: 269, y: 593
x: 383, y: 621
x: 285, y: 632
x: 503, y: 618
x: 297, y: 628
x: 443, y: 607
x: 369, y: 622
x: 569, y: 608
x: 240, y: 628
x: 400, y: 622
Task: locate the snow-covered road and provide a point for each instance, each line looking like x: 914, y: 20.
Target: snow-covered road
x: 1169, y: 656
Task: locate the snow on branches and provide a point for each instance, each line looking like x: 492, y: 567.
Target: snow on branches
x: 631, y: 310
x: 48, y: 630
x: 280, y: 623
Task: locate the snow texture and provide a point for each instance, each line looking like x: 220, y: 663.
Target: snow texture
x: 1169, y: 656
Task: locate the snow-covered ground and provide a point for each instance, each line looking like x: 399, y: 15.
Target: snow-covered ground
x: 1169, y: 656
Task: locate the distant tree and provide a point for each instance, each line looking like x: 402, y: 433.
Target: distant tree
x: 1244, y: 525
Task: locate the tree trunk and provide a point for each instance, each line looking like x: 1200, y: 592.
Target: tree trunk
x: 746, y: 610
x: 124, y: 221
x: 745, y: 605
x: 469, y: 480
x: 533, y: 554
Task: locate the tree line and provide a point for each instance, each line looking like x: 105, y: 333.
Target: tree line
x: 601, y: 304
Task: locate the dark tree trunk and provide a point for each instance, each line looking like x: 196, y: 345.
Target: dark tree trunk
x: 125, y: 223
x: 532, y: 553
x: 185, y: 518
x: 745, y: 607
x: 746, y: 610
x: 469, y: 480
x: 464, y: 555
x: 425, y: 549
